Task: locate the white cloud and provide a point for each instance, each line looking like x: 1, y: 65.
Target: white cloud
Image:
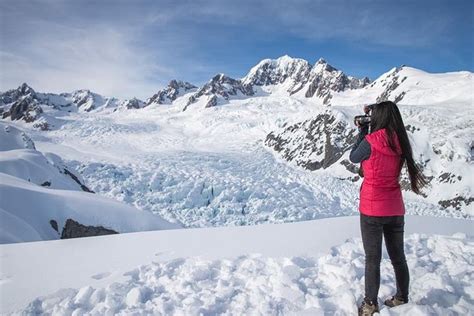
x: 95, y: 57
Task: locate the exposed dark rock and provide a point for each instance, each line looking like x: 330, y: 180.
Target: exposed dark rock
x: 73, y: 229
x: 320, y: 80
x: 212, y: 101
x: 43, y: 126
x: 391, y: 83
x: 325, y: 79
x: 83, y: 187
x: 167, y: 95
x: 220, y: 86
x: 46, y: 184
x: 54, y: 224
x: 134, y: 104
x: 315, y: 143
x: 399, y: 97
x: 411, y: 128
x: 457, y: 203
x: 14, y: 95
x: 273, y: 72
x: 25, y: 108
x: 447, y: 177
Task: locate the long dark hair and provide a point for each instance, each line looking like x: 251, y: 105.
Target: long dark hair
x: 386, y: 115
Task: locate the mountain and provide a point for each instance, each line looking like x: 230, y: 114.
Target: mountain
x: 24, y: 103
x: 133, y: 103
x: 287, y: 75
x: 25, y: 108
x: 315, y: 143
x: 171, y: 92
x: 411, y: 86
x: 293, y: 72
x: 220, y: 87
x: 324, y: 80
x: 270, y: 106
x: 297, y: 75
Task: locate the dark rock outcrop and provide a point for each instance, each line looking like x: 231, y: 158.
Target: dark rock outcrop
x: 54, y: 225
x: 25, y: 108
x: 82, y: 185
x: 220, y: 86
x: 320, y: 80
x: 391, y: 83
x: 457, y: 202
x: 173, y: 90
x: 324, y: 80
x: 14, y: 95
x: 73, y: 229
x: 87, y: 100
x: 315, y: 143
x: 133, y: 103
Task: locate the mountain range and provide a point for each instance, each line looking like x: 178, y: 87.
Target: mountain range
x: 299, y: 112
x: 321, y: 82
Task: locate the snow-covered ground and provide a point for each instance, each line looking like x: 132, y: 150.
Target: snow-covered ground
x: 311, y: 267
x: 39, y: 194
x: 209, y: 166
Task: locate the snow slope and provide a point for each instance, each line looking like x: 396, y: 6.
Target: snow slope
x: 37, y: 188
x: 209, y: 166
x: 26, y: 210
x: 307, y: 267
x: 411, y: 86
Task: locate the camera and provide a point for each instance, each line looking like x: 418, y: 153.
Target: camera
x: 363, y: 120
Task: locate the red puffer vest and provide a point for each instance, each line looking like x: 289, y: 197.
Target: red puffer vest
x: 380, y: 193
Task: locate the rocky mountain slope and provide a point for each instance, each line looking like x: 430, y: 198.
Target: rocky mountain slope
x: 171, y: 92
x: 301, y: 113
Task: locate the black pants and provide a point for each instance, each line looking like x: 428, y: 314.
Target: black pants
x: 372, y: 229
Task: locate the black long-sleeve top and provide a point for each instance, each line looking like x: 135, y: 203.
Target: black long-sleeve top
x: 361, y: 149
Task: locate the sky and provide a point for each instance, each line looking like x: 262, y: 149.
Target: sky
x: 133, y: 48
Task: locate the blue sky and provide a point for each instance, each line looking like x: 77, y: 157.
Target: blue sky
x: 133, y: 48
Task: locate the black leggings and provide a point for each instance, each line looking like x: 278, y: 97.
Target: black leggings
x: 372, y: 228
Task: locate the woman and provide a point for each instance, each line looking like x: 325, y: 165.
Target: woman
x: 382, y: 153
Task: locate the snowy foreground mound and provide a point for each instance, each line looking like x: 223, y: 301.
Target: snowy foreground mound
x: 441, y: 270
x: 285, y: 269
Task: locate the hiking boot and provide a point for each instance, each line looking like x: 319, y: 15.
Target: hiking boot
x: 368, y: 308
x: 395, y: 301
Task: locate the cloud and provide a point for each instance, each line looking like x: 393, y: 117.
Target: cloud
x: 132, y: 48
x: 96, y: 57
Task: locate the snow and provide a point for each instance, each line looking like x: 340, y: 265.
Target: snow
x: 26, y: 210
x: 450, y: 90
x: 13, y: 138
x: 306, y: 267
x: 33, y: 166
x: 209, y: 167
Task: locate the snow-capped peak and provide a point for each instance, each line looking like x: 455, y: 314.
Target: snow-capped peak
x: 15, y: 94
x: 171, y: 92
x: 276, y: 71
x: 87, y: 100
x: 133, y: 103
x: 321, y: 61
x: 220, y: 86
x: 25, y: 89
